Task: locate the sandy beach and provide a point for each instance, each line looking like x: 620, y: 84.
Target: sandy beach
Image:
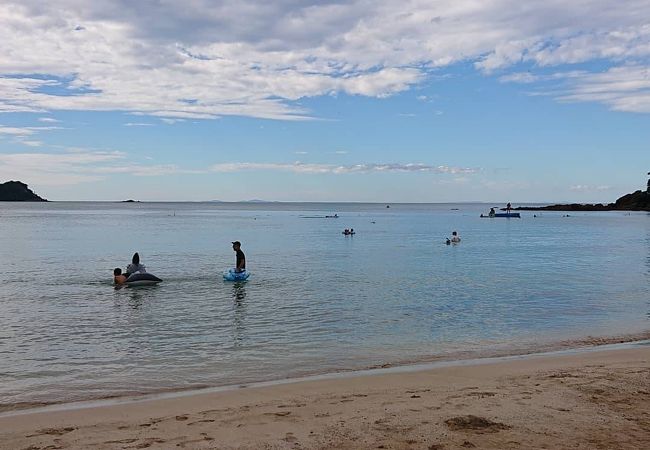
x: 589, y: 400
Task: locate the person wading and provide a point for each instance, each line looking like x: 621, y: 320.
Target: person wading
x: 241, y: 258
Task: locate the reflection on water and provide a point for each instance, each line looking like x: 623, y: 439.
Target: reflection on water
x: 133, y: 296
x: 239, y: 316
x: 239, y: 291
x: 317, y: 301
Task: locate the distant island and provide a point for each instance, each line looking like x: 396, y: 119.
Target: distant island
x: 16, y: 191
x: 637, y: 201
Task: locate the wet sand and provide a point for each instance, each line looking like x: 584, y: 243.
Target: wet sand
x: 588, y: 400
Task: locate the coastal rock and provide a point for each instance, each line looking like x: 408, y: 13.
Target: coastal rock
x: 637, y: 201
x: 16, y: 191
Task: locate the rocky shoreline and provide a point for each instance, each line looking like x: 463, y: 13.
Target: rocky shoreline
x: 637, y: 201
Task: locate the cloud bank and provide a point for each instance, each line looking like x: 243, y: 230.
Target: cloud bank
x: 299, y: 167
x: 204, y: 59
x: 78, y: 165
x: 74, y: 166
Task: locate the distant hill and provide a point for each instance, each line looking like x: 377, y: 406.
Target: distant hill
x: 15, y: 191
x: 637, y: 201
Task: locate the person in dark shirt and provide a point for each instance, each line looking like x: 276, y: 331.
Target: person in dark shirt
x: 241, y: 258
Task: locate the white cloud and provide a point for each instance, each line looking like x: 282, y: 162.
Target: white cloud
x: 169, y: 121
x: 304, y: 168
x: 25, y: 131
x: 589, y: 188
x: 74, y: 166
x: 138, y: 124
x: 204, y: 59
x: 519, y: 77
x: 21, y: 135
x: 16, y: 131
x: 30, y: 143
x: 48, y: 120
x: 624, y: 88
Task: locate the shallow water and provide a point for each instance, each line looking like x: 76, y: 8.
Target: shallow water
x: 317, y: 301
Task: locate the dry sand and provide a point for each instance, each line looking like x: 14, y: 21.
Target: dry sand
x: 590, y: 400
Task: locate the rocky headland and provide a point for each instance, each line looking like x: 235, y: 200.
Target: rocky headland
x: 636, y: 201
x: 16, y: 191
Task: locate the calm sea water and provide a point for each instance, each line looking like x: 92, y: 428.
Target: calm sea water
x: 317, y: 301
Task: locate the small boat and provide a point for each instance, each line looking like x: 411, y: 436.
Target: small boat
x: 506, y: 215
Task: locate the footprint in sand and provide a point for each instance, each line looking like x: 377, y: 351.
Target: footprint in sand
x: 201, y: 421
x: 279, y: 413
x: 289, y: 437
x: 149, y: 442
x: 53, y: 431
x: 121, y: 441
x: 194, y: 441
x: 475, y: 423
x: 49, y: 447
x: 481, y: 394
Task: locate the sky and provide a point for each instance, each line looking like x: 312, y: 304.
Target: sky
x: 297, y: 100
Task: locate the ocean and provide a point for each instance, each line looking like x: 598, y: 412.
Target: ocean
x: 317, y: 301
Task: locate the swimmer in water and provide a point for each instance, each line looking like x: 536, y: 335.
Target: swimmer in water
x: 118, y: 278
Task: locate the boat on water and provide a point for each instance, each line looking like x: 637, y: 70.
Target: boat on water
x: 511, y: 215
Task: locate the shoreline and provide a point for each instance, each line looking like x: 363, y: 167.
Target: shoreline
x: 591, y: 398
x: 586, y: 344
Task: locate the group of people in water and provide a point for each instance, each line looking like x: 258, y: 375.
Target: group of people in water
x: 455, y: 238
x: 134, y: 267
x: 120, y: 278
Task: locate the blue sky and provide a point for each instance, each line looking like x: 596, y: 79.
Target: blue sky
x: 326, y: 101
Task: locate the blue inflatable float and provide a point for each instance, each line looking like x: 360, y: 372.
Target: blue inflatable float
x: 233, y: 275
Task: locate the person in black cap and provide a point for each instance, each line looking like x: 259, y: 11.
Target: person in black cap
x: 241, y: 258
